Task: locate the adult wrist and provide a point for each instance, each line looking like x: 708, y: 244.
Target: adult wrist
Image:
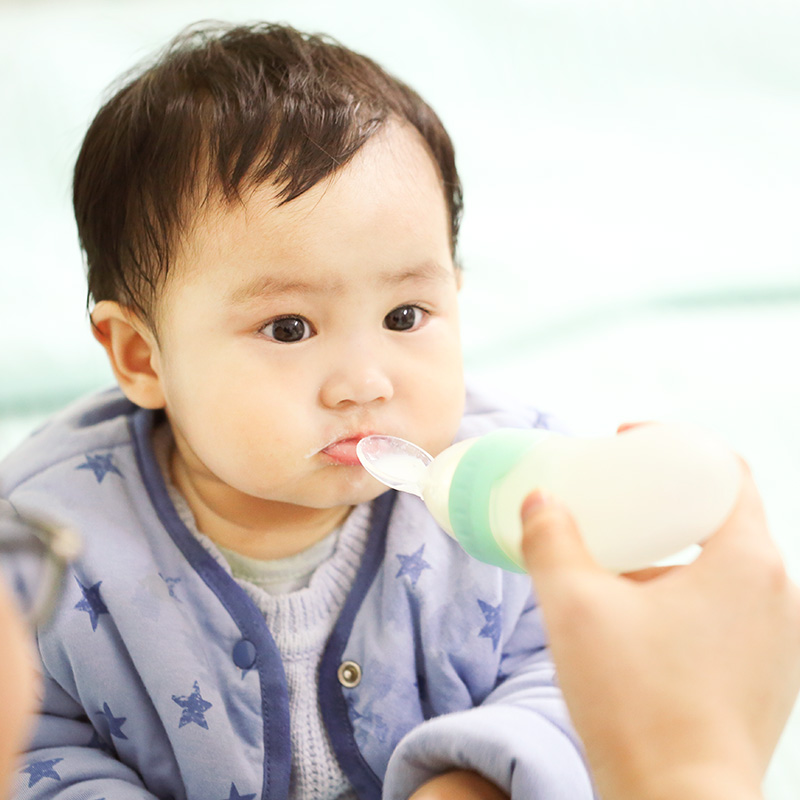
x: 695, y: 782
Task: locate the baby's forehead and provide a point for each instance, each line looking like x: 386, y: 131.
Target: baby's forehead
x: 394, y: 148
x: 386, y: 208
x: 216, y: 224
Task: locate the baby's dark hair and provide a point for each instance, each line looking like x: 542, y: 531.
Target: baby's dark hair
x: 223, y: 109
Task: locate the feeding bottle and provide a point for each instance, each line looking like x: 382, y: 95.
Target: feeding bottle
x: 637, y: 497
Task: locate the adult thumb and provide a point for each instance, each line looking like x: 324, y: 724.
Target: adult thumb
x: 551, y: 540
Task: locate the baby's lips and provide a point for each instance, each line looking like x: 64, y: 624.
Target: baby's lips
x: 343, y: 451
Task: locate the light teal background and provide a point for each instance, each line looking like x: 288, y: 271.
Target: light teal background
x: 632, y: 178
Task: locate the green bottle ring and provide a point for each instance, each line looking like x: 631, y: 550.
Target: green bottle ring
x: 486, y: 461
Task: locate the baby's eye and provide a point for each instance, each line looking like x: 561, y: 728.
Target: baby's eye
x: 287, y: 330
x: 404, y: 318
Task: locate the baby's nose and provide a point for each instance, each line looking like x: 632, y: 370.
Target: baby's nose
x: 356, y: 380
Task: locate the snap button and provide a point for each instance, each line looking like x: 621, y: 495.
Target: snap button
x: 244, y: 654
x: 349, y: 674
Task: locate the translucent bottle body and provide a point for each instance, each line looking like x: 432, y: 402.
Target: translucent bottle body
x: 638, y: 497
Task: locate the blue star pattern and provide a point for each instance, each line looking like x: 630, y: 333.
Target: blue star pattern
x: 101, y: 465
x: 154, y: 591
x: 544, y: 421
x: 171, y: 584
x: 150, y: 594
x: 234, y: 795
x: 42, y: 769
x: 99, y: 743
x: 114, y: 723
x: 194, y: 708
x: 378, y: 727
x: 21, y: 588
x: 380, y: 730
x: 494, y: 621
x: 92, y: 603
x: 413, y: 565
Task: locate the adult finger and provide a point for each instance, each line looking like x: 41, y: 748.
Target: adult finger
x: 551, y: 540
x: 651, y: 573
x: 627, y: 426
x: 746, y: 528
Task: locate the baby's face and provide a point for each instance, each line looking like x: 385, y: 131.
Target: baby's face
x: 288, y: 332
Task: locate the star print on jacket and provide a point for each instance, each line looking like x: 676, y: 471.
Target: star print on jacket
x: 413, y: 565
x: 42, y: 769
x: 114, y: 723
x: 194, y: 708
x: 92, y: 603
x: 378, y: 727
x: 101, y: 465
x: 21, y: 588
x: 99, y: 743
x: 492, y: 628
x: 171, y: 583
x: 234, y: 795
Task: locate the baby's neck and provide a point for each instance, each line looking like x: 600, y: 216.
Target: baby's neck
x: 255, y: 528
x: 286, y: 533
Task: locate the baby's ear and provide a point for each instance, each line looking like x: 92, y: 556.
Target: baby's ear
x: 132, y: 350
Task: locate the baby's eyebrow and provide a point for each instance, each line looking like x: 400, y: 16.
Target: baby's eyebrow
x: 276, y: 285
x: 427, y: 271
x: 269, y: 286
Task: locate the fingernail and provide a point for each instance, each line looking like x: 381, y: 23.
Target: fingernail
x: 534, y: 502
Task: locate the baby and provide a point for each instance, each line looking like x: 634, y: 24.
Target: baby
x: 270, y: 225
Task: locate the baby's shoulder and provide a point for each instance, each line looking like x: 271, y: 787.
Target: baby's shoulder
x: 96, y: 424
x: 484, y: 412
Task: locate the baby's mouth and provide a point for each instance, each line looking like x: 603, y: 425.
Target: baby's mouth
x: 343, y: 451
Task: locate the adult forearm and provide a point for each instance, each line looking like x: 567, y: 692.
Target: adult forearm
x: 695, y: 783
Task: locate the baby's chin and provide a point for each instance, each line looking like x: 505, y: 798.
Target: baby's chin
x: 351, y: 487
x: 342, y: 487
x: 364, y: 489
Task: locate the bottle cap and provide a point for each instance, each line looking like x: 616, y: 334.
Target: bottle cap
x: 488, y: 460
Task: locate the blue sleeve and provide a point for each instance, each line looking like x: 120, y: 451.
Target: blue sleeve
x: 519, y: 737
x: 68, y: 758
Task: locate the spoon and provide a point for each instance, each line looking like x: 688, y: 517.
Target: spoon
x: 394, y: 462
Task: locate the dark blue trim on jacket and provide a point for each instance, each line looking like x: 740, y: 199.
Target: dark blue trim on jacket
x: 333, y: 704
x: 274, y: 695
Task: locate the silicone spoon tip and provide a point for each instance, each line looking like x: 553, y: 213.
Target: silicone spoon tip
x: 395, y: 462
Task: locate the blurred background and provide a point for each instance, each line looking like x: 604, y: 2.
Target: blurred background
x: 632, y: 176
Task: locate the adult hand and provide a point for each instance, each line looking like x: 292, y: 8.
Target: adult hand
x: 459, y: 785
x: 680, y: 685
x: 17, y: 687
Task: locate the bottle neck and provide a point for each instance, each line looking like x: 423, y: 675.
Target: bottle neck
x: 486, y: 462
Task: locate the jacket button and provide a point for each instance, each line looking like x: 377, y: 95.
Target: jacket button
x: 244, y: 654
x: 349, y: 674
